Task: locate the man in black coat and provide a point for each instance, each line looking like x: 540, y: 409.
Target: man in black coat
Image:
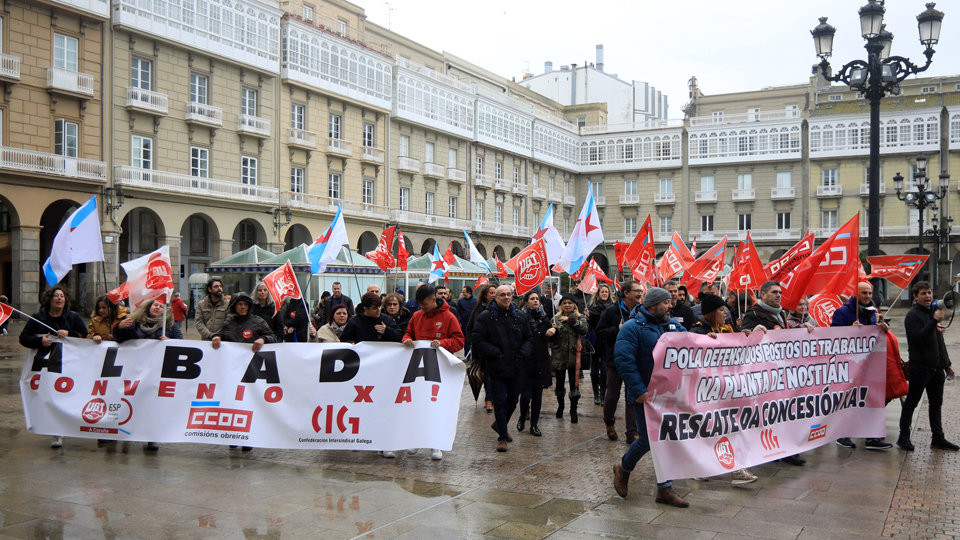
x: 929, y: 365
x: 501, y: 340
x: 369, y: 324
x: 336, y: 299
x: 680, y: 310
x: 607, y: 330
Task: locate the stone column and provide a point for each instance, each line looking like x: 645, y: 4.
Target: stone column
x: 26, y: 268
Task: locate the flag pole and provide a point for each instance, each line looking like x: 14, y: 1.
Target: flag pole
x: 353, y: 269
x: 34, y: 319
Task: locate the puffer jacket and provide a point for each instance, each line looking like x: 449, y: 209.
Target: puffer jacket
x: 245, y: 329
x: 756, y: 315
x: 633, y: 352
x: 104, y: 327
x: 563, y: 344
x: 501, y: 340
x: 440, y: 324
x: 846, y: 314
x: 537, y: 368
x: 211, y: 317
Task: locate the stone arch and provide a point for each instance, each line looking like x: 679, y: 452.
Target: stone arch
x: 247, y: 233
x: 141, y: 231
x: 482, y: 249
x: 9, y: 220
x: 458, y: 249
x: 367, y: 242
x: 427, y: 247
x: 199, y: 246
x: 407, y: 243
x: 514, y: 251
x: 296, y: 234
x: 498, y: 251
x: 602, y: 262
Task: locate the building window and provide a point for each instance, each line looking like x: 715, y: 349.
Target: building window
x: 369, y: 135
x: 706, y: 183
x: 199, y: 233
x: 405, y: 198
x: 297, y: 116
x: 405, y: 145
x: 753, y: 115
x: 783, y: 180
x: 866, y: 174
x: 336, y: 123
x: 536, y: 179
x: 666, y: 224
x: 498, y: 213
x: 429, y: 150
x: 248, y: 101
x: 744, y: 221
x: 516, y: 216
x: 199, y: 162
x: 199, y: 86
x: 141, y: 152
x: 452, y: 158
x: 65, y: 52
x: 141, y: 73
x: 516, y: 175
x: 828, y: 219
x: 829, y: 177
x: 744, y: 181
x: 478, y: 211
x: 553, y: 183
x: 706, y: 223
x: 479, y: 166
x: 630, y: 226
x: 341, y: 27
x: 333, y: 190
x: 498, y: 170
x: 65, y: 137
x: 307, y: 13
x: 598, y: 189
x: 248, y: 170
x: 566, y: 226
x: 452, y: 207
x: 368, y: 196
x: 429, y: 197
x: 783, y: 220
x: 666, y: 186
x: 718, y: 117
x: 296, y: 179
x: 629, y: 187
x: 581, y: 121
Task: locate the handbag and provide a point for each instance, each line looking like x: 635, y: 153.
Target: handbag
x: 575, y: 391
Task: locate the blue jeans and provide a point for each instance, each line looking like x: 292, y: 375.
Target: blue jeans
x: 503, y: 392
x: 640, y: 446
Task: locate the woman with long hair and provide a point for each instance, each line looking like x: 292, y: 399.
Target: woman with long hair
x: 330, y: 332
x: 598, y: 374
x: 536, y: 373
x: 106, y: 315
x: 568, y: 326
x: 485, y: 297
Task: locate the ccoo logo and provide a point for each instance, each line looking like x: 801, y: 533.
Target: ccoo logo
x: 724, y: 451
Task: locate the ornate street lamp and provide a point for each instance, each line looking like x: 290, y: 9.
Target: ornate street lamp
x: 876, y: 77
x: 921, y: 198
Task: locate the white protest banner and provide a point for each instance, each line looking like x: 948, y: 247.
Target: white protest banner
x: 369, y: 396
x: 718, y: 405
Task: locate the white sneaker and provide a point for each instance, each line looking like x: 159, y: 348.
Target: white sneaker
x: 388, y: 454
x: 57, y: 442
x: 436, y: 454
x: 412, y: 451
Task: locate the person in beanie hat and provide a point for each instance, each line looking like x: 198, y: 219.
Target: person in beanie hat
x: 633, y: 355
x: 568, y: 327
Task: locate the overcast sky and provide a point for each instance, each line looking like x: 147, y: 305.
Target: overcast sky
x: 730, y: 45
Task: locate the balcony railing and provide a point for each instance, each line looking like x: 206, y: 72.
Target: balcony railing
x: 501, y: 185
x: 204, y: 114
x: 829, y: 191
x: 433, y: 170
x: 483, y: 181
x: 194, y: 185
x: 775, y: 234
x: 456, y: 175
x: 100, y: 8
x: 740, y: 118
x: 865, y: 189
x: 783, y: 193
x: 30, y: 161
x: 417, y: 218
x: 744, y: 194
x: 896, y: 230
x: 408, y: 164
x: 305, y: 201
x: 569, y: 200
x: 9, y: 67
x: 70, y: 82
x: 600, y: 200
x: 630, y: 199
x: 556, y: 196
x: 302, y: 138
x: 664, y: 198
x: 371, y: 154
x: 539, y: 193
x: 339, y: 146
x: 521, y: 189
x: 253, y: 125
x: 147, y: 100
x: 705, y: 196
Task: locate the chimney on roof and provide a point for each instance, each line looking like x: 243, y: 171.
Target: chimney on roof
x: 547, y: 66
x: 600, y: 57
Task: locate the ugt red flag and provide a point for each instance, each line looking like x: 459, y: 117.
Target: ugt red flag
x: 5, y: 312
x: 402, y: 253
x: 676, y: 259
x: 530, y: 266
x: 748, y: 272
x: 501, y: 269
x: 382, y: 255
x: 282, y: 284
x: 708, y: 266
x: 897, y: 269
x: 822, y: 307
x: 781, y: 268
x: 150, y: 276
x: 832, y: 268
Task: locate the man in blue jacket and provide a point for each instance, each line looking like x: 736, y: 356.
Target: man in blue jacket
x: 633, y: 355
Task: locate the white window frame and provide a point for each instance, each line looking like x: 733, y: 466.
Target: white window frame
x: 665, y: 224
x: 199, y: 162
x: 66, y: 50
x: 478, y: 164
x: 66, y: 137
x: 516, y: 216
x: 783, y: 221
x: 630, y: 226
x: 478, y: 211
x: 405, y: 199
x: 452, y: 158
x: 335, y: 130
x: 516, y: 175
x: 405, y: 145
x: 297, y: 176
x: 298, y: 116
x: 369, y: 191
x: 369, y: 135
x: 199, y: 88
x: 335, y: 186
x: 429, y: 200
x: 784, y: 179
x: 249, y: 170
x: 706, y: 223
x: 744, y: 222
x: 666, y: 186
x: 141, y: 152
x: 629, y: 187
x: 745, y: 181
x: 452, y: 207
x: 498, y: 213
x: 828, y: 219
x: 498, y: 170
x: 429, y: 152
x: 830, y: 177
x: 248, y: 101
x: 708, y: 183
x: 141, y: 73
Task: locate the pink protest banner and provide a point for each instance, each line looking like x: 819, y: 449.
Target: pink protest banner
x: 718, y: 405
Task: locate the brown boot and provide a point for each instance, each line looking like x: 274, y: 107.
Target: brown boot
x: 620, y: 480
x: 667, y: 496
x: 501, y: 446
x: 611, y: 433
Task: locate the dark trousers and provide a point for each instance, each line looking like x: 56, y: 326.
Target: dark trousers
x: 571, y: 376
x: 612, y: 397
x: 598, y: 375
x: 504, y: 393
x: 531, y: 399
x: 931, y: 380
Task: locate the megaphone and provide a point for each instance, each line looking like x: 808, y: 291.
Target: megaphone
x: 949, y: 303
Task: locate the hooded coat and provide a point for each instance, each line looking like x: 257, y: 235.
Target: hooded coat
x: 244, y: 329
x: 563, y: 344
x: 439, y: 324
x: 361, y: 328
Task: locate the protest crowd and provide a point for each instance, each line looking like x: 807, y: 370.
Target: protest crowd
x: 522, y: 337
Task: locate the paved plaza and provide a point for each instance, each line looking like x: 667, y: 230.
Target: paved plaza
x: 558, y: 486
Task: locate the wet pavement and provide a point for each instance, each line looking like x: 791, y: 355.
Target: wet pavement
x: 557, y: 486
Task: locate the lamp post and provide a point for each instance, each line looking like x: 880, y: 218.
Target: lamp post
x: 876, y: 77
x: 921, y: 198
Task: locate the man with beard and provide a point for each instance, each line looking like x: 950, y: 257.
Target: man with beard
x: 680, y: 310
x: 212, y: 310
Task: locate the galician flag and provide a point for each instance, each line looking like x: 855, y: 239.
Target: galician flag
x: 551, y: 237
x: 475, y: 256
x: 77, y: 241
x: 327, y: 247
x: 586, y: 236
x: 438, y: 266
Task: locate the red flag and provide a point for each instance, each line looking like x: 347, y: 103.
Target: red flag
x: 578, y: 275
x: 589, y: 284
x: 449, y: 256
x: 530, y: 266
x: 5, y: 312
x: 598, y: 272
x: 481, y: 282
x: 822, y: 307
x: 676, y: 259
x: 747, y: 272
x: 616, y: 285
x: 832, y: 268
x: 382, y: 255
x: 640, y: 254
x: 282, y: 284
x: 707, y: 266
x: 150, y: 276
x: 897, y: 269
x: 781, y: 268
x: 618, y: 250
x: 693, y: 246
x: 501, y: 269
x: 402, y: 253
x: 118, y: 294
